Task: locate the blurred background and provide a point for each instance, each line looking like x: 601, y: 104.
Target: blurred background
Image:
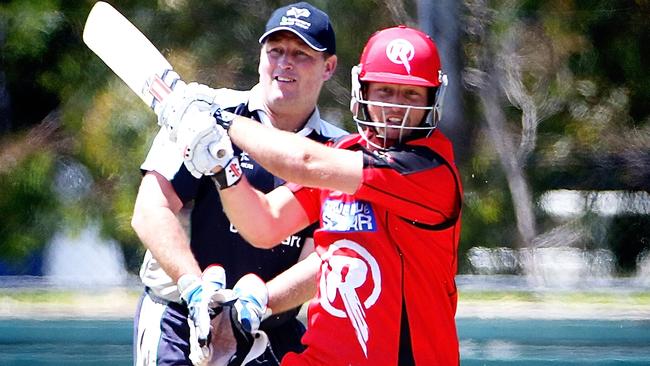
x: 548, y: 109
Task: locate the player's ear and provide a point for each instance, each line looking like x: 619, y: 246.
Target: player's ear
x: 330, y: 67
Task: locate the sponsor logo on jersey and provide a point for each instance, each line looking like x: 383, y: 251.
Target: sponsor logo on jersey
x: 350, y: 284
x: 245, y: 161
x: 291, y: 241
x: 401, y: 52
x: 338, y: 215
x: 383, y: 155
x: 293, y: 17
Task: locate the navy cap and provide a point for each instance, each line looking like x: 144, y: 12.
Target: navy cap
x: 309, y: 23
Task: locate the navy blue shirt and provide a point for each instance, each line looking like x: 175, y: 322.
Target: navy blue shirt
x: 213, y: 239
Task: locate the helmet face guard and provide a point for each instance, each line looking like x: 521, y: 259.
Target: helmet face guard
x: 398, y: 55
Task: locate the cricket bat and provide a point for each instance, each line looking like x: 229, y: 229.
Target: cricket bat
x: 131, y: 56
x: 135, y: 60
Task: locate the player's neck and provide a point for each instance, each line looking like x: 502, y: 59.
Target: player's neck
x: 292, y: 121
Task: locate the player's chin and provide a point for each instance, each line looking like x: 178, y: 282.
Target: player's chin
x: 287, y: 92
x: 386, y: 133
x: 385, y: 143
x: 286, y: 88
x: 390, y: 139
x: 279, y: 98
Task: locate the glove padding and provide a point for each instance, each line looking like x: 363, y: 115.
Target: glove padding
x: 205, y: 145
x: 197, y: 294
x: 233, y: 346
x: 249, y: 345
x: 173, y: 108
x: 246, y: 314
x: 252, y: 298
x: 200, y: 355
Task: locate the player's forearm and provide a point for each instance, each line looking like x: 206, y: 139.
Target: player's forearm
x: 156, y: 223
x: 294, y: 286
x: 298, y: 159
x: 260, y: 219
x: 163, y: 235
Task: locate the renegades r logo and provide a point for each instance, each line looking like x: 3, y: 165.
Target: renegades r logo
x: 350, y: 284
x: 400, y: 51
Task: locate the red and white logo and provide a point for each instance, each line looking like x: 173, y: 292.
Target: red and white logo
x: 157, y: 87
x: 234, y: 169
x: 350, y: 277
x: 233, y: 172
x: 401, y: 52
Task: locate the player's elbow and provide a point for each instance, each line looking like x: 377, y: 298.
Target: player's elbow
x: 261, y: 239
x: 308, y: 168
x: 263, y: 244
x: 314, y: 160
x: 301, y: 161
x: 138, y: 220
x: 142, y: 217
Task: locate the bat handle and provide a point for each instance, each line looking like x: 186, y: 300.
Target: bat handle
x: 161, y: 86
x: 216, y: 151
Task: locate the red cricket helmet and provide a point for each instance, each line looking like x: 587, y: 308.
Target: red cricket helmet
x: 398, y: 55
x: 401, y: 55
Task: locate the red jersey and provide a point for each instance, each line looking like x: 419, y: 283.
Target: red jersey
x: 388, y: 254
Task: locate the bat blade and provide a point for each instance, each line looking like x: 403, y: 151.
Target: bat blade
x: 124, y: 49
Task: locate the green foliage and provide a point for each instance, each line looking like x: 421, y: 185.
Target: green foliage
x: 31, y: 24
x: 596, y: 139
x: 102, y: 125
x: 487, y: 212
x: 597, y: 47
x: 28, y: 207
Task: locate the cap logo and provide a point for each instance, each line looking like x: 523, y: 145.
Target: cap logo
x: 293, y: 15
x: 298, y: 12
x: 400, y: 51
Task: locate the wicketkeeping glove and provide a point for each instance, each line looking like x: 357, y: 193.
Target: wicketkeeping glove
x: 246, y: 315
x: 197, y: 294
x: 252, y: 299
x: 174, y: 107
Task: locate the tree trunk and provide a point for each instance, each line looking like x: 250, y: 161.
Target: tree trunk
x: 441, y: 20
x: 512, y: 167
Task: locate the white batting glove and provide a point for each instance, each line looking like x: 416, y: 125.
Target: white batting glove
x: 174, y: 107
x: 197, y: 294
x: 204, y: 144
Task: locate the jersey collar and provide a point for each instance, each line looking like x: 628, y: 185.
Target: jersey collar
x: 255, y: 105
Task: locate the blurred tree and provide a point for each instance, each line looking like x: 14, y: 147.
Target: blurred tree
x: 67, y: 124
x: 543, y: 61
x: 102, y: 132
x: 442, y: 20
x: 34, y: 36
x: 516, y: 60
